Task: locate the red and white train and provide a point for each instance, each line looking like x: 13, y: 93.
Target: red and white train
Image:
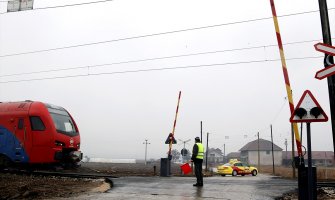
x: 33, y: 132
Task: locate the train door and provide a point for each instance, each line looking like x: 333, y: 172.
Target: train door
x: 3, y: 139
x: 22, y: 142
x: 41, y: 140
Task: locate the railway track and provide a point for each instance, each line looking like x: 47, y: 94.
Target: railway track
x: 325, y: 184
x: 108, y: 178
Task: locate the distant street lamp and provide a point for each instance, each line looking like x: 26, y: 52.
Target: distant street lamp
x: 146, y: 146
x: 184, y: 151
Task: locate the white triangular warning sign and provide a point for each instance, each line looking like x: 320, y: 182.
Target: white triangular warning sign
x: 308, y: 110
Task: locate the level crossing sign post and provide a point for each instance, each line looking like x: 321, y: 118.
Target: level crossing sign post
x: 308, y: 110
x: 330, y: 70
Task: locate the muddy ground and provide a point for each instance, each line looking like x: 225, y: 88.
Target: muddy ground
x: 14, y: 186
x: 38, y: 187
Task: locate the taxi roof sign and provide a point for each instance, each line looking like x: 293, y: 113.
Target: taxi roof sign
x: 308, y: 110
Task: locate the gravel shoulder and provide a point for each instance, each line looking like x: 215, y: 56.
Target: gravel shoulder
x: 14, y: 186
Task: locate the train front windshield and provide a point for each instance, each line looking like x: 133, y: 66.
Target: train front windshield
x: 63, y: 122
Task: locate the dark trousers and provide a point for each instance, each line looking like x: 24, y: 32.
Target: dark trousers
x: 198, y: 171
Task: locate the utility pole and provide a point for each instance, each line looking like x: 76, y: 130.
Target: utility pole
x: 259, y: 158
x: 328, y: 60
x: 146, y: 146
x: 207, y: 154
x: 273, y: 158
x: 293, y: 165
x: 201, y: 130
x: 286, y: 150
x: 224, y: 152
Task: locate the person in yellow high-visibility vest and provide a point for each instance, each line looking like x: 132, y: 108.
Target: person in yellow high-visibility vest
x: 197, y: 158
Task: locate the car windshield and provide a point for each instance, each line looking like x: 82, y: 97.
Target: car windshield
x: 227, y: 164
x: 63, y: 121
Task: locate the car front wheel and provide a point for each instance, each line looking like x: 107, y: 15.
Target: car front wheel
x: 234, y: 173
x: 254, y: 172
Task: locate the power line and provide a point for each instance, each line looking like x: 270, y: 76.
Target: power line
x: 152, y: 35
x: 156, y: 58
x: 259, y: 130
x: 155, y: 69
x: 61, y: 6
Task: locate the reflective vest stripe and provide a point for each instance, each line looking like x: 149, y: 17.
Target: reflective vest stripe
x: 200, y: 154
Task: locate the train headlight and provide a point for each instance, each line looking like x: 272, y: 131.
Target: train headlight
x: 78, y: 145
x: 58, y: 143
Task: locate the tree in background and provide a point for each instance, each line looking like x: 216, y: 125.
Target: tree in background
x: 175, y: 155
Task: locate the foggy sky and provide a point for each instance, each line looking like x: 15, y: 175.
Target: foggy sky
x: 234, y: 93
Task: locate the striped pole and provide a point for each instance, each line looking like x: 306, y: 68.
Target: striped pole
x: 287, y: 81
x: 174, y: 124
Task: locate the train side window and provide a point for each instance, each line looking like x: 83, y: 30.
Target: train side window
x: 36, y: 123
x: 20, y: 124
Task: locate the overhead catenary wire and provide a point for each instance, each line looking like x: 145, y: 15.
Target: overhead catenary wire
x: 253, y: 132
x: 153, y: 34
x: 156, y: 69
x: 155, y: 58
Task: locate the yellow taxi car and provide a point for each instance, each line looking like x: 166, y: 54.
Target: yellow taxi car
x: 235, y: 167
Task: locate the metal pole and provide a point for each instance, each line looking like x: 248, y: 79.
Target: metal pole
x: 293, y: 166
x: 326, y: 164
x: 224, y: 152
x: 20, y: 5
x: 310, y: 175
x: 146, y: 146
x: 201, y: 130
x: 331, y: 79
x: 174, y: 126
x: 285, y: 73
x: 183, y: 156
x: 273, y: 158
x: 207, y: 153
x: 259, y: 159
x: 286, y: 151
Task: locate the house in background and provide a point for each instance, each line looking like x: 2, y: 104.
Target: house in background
x: 215, y: 156
x: 249, y: 153
x: 232, y: 155
x: 319, y: 158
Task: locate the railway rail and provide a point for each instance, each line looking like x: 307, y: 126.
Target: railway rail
x: 108, y: 178
x: 325, y: 184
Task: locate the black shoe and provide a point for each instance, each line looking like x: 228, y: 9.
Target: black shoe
x: 195, y: 184
x: 198, y: 185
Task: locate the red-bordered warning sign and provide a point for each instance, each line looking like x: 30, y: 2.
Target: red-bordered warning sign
x: 308, y: 110
x: 330, y: 70
x: 325, y: 48
x: 323, y: 73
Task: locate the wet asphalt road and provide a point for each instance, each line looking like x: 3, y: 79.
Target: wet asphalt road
x: 261, y: 187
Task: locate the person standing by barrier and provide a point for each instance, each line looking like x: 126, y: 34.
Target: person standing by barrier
x: 197, y: 158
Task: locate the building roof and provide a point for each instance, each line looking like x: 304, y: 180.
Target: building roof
x: 264, y: 145
x: 216, y: 151
x: 234, y: 155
